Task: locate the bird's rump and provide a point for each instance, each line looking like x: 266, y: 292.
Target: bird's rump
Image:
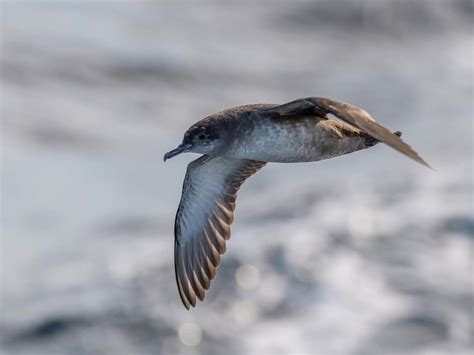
x: 203, y: 220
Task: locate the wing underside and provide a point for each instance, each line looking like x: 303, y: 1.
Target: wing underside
x: 203, y: 220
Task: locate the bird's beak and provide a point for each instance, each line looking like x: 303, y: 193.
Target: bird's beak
x: 182, y: 148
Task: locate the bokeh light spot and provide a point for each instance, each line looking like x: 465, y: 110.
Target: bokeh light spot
x: 190, y: 334
x: 248, y: 277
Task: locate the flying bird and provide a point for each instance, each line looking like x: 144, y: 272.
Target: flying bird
x: 238, y: 142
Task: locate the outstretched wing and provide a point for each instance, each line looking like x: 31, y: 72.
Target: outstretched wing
x: 203, y: 220
x: 353, y: 115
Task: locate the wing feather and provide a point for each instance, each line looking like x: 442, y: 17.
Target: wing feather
x: 203, y: 220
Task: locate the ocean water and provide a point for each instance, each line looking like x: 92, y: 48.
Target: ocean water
x: 364, y: 254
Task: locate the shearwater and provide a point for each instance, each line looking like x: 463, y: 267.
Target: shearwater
x: 236, y: 143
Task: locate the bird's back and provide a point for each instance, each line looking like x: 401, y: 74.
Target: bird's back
x: 235, y: 113
x: 293, y: 138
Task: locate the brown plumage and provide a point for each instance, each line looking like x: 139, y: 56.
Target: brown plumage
x: 236, y: 143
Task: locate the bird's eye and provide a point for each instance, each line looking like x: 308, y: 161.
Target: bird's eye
x: 202, y: 136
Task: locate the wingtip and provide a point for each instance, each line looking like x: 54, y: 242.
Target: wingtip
x: 185, y: 302
x: 415, y: 155
x: 427, y: 165
x: 421, y: 161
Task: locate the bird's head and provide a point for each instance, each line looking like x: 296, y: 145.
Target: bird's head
x: 202, y: 138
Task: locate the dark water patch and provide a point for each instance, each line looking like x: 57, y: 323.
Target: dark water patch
x: 459, y: 224
x: 464, y: 7
x: 23, y: 73
x: 276, y: 257
x: 148, y: 71
x: 405, y: 281
x: 337, y: 240
x: 176, y: 75
x: 407, y: 334
x: 29, y: 65
x: 81, y: 74
x: 459, y: 187
x: 47, y: 328
x: 140, y: 327
x: 130, y: 225
x: 91, y: 69
x: 140, y: 331
x: 393, y: 18
x: 59, y: 136
x: 348, y: 14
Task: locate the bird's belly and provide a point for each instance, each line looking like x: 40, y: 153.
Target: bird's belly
x: 295, y: 140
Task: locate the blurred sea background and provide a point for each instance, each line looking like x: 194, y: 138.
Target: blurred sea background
x: 368, y: 253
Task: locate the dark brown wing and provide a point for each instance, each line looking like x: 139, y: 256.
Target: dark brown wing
x: 203, y: 220
x: 320, y: 106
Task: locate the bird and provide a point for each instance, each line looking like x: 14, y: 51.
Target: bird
x: 238, y: 142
